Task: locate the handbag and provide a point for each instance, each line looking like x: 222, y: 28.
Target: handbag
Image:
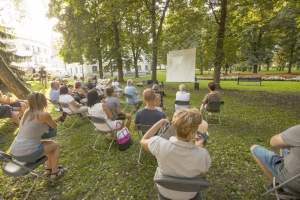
x: 124, y: 139
x: 167, y: 131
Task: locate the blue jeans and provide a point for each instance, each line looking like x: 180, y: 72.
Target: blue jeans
x: 270, y: 159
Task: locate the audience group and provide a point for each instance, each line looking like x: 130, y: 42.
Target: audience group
x: 179, y: 156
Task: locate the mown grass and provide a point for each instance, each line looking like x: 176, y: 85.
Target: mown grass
x: 251, y: 115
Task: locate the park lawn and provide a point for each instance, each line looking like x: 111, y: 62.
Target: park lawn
x: 251, y: 115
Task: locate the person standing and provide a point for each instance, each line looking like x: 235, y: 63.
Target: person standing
x: 43, y: 77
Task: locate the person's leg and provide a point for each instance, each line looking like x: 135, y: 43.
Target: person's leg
x: 23, y: 107
x: 14, y: 118
x: 138, y: 105
x: 266, y: 160
x: 128, y: 122
x: 83, y: 110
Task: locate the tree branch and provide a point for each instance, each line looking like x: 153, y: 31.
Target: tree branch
x: 212, y: 9
x: 162, y: 18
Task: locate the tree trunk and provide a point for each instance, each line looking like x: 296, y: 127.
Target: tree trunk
x: 291, y: 57
x: 201, y: 71
x: 119, y: 54
x: 12, y: 82
x: 219, y: 55
x: 99, y: 52
x: 135, y: 67
x: 154, y: 39
x: 255, y: 69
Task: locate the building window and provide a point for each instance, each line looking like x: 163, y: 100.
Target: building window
x: 146, y: 67
x: 39, y: 50
x: 95, y: 69
x: 139, y: 67
x: 46, y: 60
x: 40, y: 60
x: 45, y: 51
x: 76, y: 70
x: 71, y: 71
x: 26, y: 47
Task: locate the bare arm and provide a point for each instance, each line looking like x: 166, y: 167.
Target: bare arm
x: 118, y: 110
x: 135, y: 127
x: 107, y: 111
x: 75, y: 104
x: 5, y: 101
x: 276, y: 141
x: 151, y: 132
x: 46, y: 117
x: 81, y: 91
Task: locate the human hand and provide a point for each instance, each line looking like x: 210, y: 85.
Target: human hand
x: 102, y: 100
x: 162, y: 123
x: 199, y: 141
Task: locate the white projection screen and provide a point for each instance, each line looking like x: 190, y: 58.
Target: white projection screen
x: 181, y: 65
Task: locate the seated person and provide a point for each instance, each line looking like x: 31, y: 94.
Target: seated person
x: 212, y: 96
x: 97, y: 108
x: 73, y: 105
x: 92, y: 87
x: 113, y: 104
x: 60, y: 81
x: 65, y: 82
x: 116, y: 85
x: 158, y: 102
x: 15, y: 104
x: 148, y: 115
x: 130, y: 90
x: 54, y: 92
x: 83, y: 85
x: 284, y: 166
x: 80, y: 92
x: 70, y: 89
x: 38, y: 124
x: 5, y: 112
x: 155, y: 87
x: 178, y: 156
x: 75, y: 79
x: 182, y: 95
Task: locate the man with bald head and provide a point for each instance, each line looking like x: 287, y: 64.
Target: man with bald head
x: 148, y: 115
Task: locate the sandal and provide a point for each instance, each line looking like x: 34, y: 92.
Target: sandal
x: 50, y: 170
x: 59, y: 173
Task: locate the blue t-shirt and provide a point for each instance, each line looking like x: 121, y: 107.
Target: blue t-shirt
x: 148, y: 117
x: 54, y: 94
x: 133, y: 93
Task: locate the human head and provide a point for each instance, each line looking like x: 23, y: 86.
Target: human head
x: 157, y: 100
x: 104, y: 77
x: 212, y: 86
x: 55, y: 85
x: 115, y: 79
x: 149, y: 95
x: 82, y: 78
x: 77, y: 85
x: 186, y: 122
x: 37, y: 101
x: 71, y: 86
x: 65, y: 81
x: 89, y: 85
x: 59, y: 80
x: 155, y: 87
x: 181, y: 87
x: 75, y: 77
x: 63, y: 90
x: 93, y: 98
x: 109, y: 90
x: 130, y: 82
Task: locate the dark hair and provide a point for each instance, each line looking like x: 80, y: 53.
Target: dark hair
x: 77, y: 85
x: 75, y: 77
x: 93, y: 98
x: 90, y: 85
x: 212, y: 86
x: 109, y: 90
x: 63, y: 90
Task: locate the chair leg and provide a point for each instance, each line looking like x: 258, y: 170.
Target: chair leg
x: 112, y: 141
x: 140, y: 153
x: 2, y: 197
x: 94, y: 147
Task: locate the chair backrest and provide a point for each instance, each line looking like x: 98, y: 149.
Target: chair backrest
x: 5, y: 157
x: 182, y: 102
x: 127, y: 95
x: 99, y: 120
x: 182, y: 184
x: 143, y: 128
x: 214, y: 106
x: 55, y: 103
x: 64, y: 105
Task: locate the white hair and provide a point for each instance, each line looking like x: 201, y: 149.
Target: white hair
x: 129, y: 82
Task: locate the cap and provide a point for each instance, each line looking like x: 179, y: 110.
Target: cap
x: 155, y: 87
x: 202, y: 128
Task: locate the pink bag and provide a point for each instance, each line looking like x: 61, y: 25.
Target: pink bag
x: 124, y: 139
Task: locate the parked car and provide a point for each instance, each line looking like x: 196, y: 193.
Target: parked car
x: 60, y: 74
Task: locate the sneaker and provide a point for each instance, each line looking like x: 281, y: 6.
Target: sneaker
x: 270, y: 187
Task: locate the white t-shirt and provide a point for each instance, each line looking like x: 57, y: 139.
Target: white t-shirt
x: 182, y: 96
x: 158, y: 108
x: 179, y: 159
x: 66, y: 98
x: 97, y: 110
x: 116, y: 85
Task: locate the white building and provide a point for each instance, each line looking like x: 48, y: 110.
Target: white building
x: 40, y: 52
x: 76, y: 69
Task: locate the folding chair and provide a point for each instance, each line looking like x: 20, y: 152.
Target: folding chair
x: 65, y: 105
x: 142, y: 128
x: 57, y: 106
x: 289, y: 193
x: 181, y: 103
x: 100, y: 120
x: 182, y: 185
x: 15, y: 168
x: 128, y: 104
x: 214, y: 107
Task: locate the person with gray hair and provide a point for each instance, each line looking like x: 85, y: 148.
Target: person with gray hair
x: 182, y: 95
x: 54, y: 92
x: 130, y: 90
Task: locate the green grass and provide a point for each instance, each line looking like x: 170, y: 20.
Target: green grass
x: 251, y: 115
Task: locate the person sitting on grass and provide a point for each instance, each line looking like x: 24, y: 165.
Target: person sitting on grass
x: 130, y: 90
x: 148, y: 115
x: 98, y: 109
x: 54, y: 92
x: 35, y: 125
x: 5, y: 112
x: 158, y: 102
x: 113, y: 104
x: 73, y: 105
x: 16, y: 105
x: 284, y: 166
x: 212, y: 96
x: 182, y: 95
x: 178, y: 156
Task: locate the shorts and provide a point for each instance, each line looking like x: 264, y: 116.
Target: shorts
x: 121, y: 116
x: 31, y: 157
x: 270, y: 159
x: 51, y: 133
x: 16, y: 104
x: 5, y: 112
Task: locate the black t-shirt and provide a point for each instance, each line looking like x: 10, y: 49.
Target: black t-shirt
x: 43, y: 73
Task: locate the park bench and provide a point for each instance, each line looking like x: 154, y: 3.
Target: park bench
x: 249, y: 79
